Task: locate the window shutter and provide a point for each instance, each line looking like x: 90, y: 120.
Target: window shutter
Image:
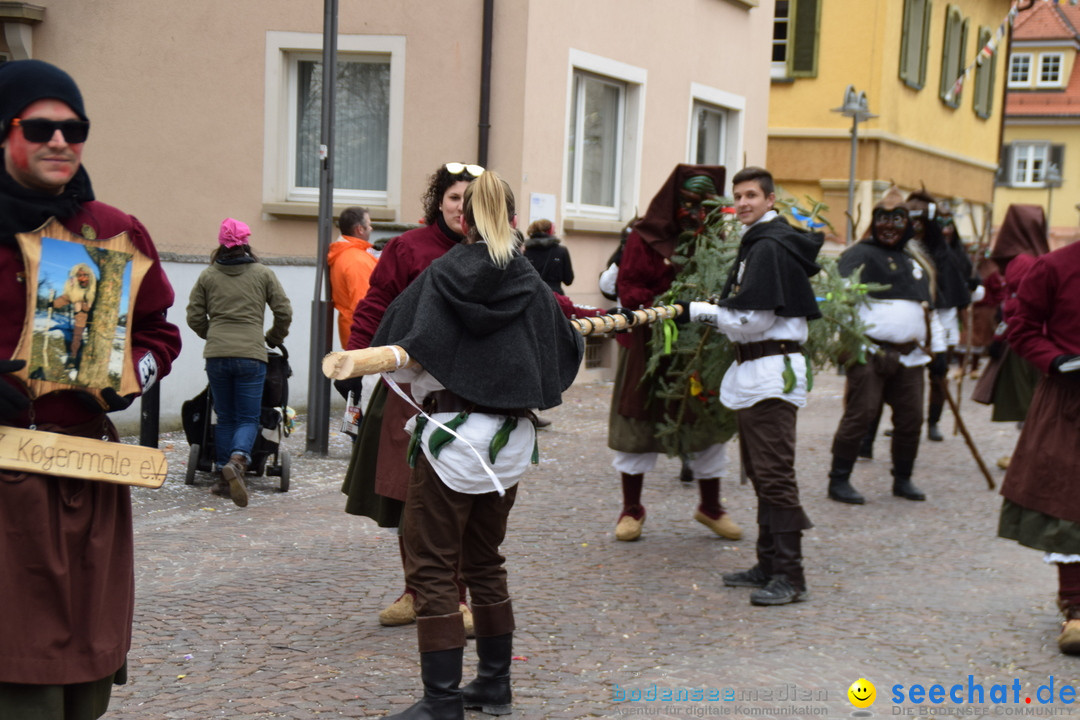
x: 985, y: 75
x: 804, y: 17
x: 952, y: 54
x: 924, y: 48
x: 1004, y: 173
x: 915, y: 42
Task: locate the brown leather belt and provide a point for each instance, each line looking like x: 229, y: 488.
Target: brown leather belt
x: 446, y: 401
x: 745, y: 352
x: 902, y: 348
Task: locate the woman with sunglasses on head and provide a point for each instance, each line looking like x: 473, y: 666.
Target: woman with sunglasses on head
x: 378, y: 475
x: 491, y: 342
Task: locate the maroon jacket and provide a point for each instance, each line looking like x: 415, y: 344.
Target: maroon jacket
x: 643, y: 274
x: 66, y: 558
x: 401, y: 261
x: 1046, y: 319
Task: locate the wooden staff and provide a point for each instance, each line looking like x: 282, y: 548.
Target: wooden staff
x: 952, y: 406
x: 967, y: 437
x: 347, y: 364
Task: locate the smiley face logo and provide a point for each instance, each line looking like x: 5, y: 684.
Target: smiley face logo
x: 862, y: 693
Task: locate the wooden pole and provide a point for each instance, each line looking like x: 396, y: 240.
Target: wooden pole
x: 967, y: 438
x: 613, y: 323
x: 387, y: 358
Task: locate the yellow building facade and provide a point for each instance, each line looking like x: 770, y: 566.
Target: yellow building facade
x: 906, y: 56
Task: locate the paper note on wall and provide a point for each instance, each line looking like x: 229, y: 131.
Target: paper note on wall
x: 541, y: 207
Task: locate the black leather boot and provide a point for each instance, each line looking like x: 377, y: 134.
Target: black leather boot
x: 490, y: 691
x: 440, y: 669
x: 902, y: 485
x: 788, y: 583
x: 840, y: 488
x: 441, y: 673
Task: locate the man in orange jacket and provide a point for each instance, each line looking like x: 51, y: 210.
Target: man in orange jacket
x: 351, y: 263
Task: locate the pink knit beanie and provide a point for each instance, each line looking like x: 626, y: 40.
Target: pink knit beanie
x: 233, y: 233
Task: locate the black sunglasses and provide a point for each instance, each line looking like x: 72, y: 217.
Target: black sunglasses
x: 40, y: 130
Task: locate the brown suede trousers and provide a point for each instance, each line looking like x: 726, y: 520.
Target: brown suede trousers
x: 445, y: 530
x: 882, y: 379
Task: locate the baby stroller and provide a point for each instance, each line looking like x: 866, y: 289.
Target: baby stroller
x: 196, y: 415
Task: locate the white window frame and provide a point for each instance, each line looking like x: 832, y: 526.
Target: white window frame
x: 283, y: 49
x: 779, y: 68
x: 1014, y: 61
x: 734, y: 109
x: 628, y: 154
x: 1029, y: 152
x: 1058, y: 80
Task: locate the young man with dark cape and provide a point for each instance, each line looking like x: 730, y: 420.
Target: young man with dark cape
x: 765, y: 309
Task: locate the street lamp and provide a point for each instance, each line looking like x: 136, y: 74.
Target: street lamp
x: 1051, y: 180
x: 857, y: 108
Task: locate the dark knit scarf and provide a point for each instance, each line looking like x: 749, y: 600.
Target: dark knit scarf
x: 23, y: 209
x: 450, y: 234
x: 242, y: 260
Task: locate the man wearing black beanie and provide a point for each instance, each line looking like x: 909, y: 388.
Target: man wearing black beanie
x: 67, y: 559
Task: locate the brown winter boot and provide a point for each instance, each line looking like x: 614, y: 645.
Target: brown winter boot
x: 233, y: 472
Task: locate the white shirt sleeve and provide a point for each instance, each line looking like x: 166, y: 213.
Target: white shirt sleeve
x: 728, y: 321
x: 937, y: 334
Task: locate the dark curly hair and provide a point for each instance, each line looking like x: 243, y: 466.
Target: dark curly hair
x: 438, y: 184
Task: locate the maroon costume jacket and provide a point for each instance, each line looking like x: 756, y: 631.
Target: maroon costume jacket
x: 66, y: 556
x: 401, y: 261
x: 1045, y: 466
x: 1044, y: 323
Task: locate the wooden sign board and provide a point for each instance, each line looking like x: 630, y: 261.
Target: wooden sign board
x: 79, y: 295
x: 49, y: 453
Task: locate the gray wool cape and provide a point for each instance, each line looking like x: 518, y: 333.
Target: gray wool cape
x: 493, y: 336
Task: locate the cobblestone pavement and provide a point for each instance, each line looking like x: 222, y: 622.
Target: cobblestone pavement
x: 271, y: 611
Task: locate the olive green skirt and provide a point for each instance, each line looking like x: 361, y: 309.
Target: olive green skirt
x: 1037, y: 530
x: 359, y: 483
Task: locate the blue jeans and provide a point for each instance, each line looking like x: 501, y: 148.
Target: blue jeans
x: 236, y: 385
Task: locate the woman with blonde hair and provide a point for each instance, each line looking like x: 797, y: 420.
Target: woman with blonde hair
x: 491, y: 342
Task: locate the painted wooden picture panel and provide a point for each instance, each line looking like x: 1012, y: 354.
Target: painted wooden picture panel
x: 77, y: 330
